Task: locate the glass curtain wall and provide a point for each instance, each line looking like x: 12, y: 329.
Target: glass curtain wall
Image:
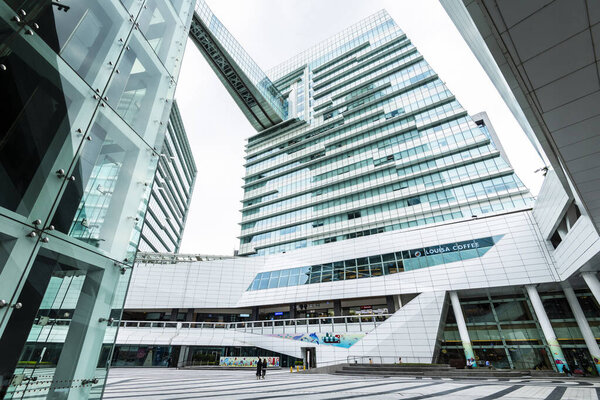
x: 505, y: 331
x: 87, y: 90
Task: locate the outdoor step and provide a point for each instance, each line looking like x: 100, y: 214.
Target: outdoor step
x: 379, y: 373
x: 391, y: 367
x: 486, y: 374
x: 427, y: 370
x: 431, y: 375
x: 398, y: 369
x: 446, y: 366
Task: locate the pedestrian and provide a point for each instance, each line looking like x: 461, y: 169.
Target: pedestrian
x: 469, y: 363
x: 399, y: 360
x: 258, y: 369
x: 488, y: 364
x: 566, y: 370
x: 264, y: 367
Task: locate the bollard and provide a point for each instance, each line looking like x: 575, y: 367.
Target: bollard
x: 304, y: 366
x: 297, y: 368
x: 291, y: 369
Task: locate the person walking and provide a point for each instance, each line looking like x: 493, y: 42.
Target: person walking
x: 264, y: 367
x: 259, y: 369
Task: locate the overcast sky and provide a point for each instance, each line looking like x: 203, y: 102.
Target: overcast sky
x: 272, y: 31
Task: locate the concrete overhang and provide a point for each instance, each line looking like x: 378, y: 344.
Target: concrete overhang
x: 543, y: 56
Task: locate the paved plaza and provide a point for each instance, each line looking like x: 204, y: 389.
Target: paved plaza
x: 241, y: 384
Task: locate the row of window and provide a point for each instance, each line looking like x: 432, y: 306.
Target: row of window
x: 481, y: 208
x: 457, y: 174
x: 415, y: 99
x: 420, y: 119
x: 352, y: 71
x: 276, y: 149
x: 399, y: 79
x: 366, y: 60
x: 462, y: 171
x: 388, y: 62
x: 461, y: 124
x: 346, y: 41
x: 374, y: 266
x: 388, y: 228
x: 436, y: 198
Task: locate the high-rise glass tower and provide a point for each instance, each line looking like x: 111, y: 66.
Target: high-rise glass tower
x: 373, y: 142
x: 171, y: 192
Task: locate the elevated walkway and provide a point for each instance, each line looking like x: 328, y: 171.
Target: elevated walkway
x: 252, y: 90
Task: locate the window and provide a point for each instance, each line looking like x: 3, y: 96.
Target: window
x: 413, y: 201
x: 555, y: 239
x: 354, y: 215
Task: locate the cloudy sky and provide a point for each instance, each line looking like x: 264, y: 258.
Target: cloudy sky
x: 272, y: 31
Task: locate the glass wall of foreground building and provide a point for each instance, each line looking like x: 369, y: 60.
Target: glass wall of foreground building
x: 384, y: 146
x: 171, y: 191
x: 87, y: 90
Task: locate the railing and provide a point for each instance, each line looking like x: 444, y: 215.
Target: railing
x: 359, y: 323
x: 387, y: 360
x: 166, y: 258
x: 364, y: 360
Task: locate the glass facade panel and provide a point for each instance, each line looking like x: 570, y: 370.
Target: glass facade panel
x: 39, y: 107
x: 87, y: 35
x: 135, y: 91
x: 162, y: 28
x: 102, y: 205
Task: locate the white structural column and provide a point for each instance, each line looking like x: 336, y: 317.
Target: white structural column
x: 462, y: 328
x: 591, y: 279
x: 540, y: 312
x: 584, y: 327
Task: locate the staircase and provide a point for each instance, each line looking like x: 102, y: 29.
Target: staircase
x: 435, y: 370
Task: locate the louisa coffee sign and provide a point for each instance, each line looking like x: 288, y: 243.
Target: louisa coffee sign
x: 453, y: 247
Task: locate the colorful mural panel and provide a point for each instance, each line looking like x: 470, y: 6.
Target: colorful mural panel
x: 344, y: 340
x: 247, y: 361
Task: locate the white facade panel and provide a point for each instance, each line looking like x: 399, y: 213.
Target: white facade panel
x: 580, y: 248
x: 518, y: 258
x: 550, y: 205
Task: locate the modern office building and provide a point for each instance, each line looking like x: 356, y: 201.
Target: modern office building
x: 378, y: 144
x: 87, y: 91
x: 171, y: 191
x: 380, y: 220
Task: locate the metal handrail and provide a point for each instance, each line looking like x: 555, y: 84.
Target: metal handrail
x: 324, y: 323
x: 354, y: 359
x: 369, y: 359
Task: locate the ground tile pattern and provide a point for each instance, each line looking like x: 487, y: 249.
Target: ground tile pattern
x: 125, y: 383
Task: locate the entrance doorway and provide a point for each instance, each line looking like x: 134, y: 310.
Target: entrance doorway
x: 309, y: 356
